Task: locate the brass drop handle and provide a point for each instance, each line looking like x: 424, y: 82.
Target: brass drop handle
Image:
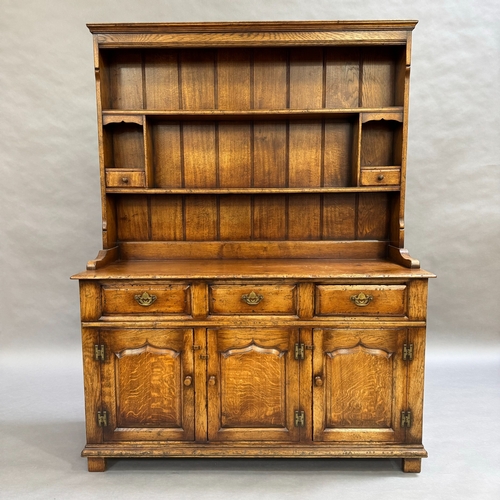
x: 252, y: 299
x: 188, y: 380
x: 318, y: 381
x: 125, y: 180
x: 380, y: 177
x: 145, y: 299
x: 211, y: 380
x: 361, y: 300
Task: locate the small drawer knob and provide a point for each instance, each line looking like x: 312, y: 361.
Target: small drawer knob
x: 318, y: 381
x: 380, y: 177
x: 188, y: 380
x: 125, y: 180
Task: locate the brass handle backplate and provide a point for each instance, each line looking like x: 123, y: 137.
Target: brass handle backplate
x: 188, y: 380
x: 211, y: 380
x: 361, y: 300
x: 318, y: 381
x: 145, y: 299
x: 252, y: 299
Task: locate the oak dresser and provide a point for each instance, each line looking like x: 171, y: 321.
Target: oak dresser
x: 253, y: 297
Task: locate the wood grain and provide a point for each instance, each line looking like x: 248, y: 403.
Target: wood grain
x: 363, y: 390
x: 342, y: 77
x: 235, y: 218
x: 270, y: 150
x: 143, y: 385
x: 270, y: 79
x: 197, y: 79
x: 305, y: 154
x: 132, y: 218
x: 126, y: 146
x: 234, y: 154
x: 125, y: 80
x: 200, y: 159
x: 234, y: 79
x: 277, y: 299
x: 256, y: 388
x: 168, y: 160
x: 161, y: 79
x: 306, y: 78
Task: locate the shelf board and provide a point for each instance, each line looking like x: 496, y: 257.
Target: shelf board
x: 115, y: 115
x: 255, y: 268
x: 252, y: 190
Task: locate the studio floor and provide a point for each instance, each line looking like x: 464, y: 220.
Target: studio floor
x: 42, y: 434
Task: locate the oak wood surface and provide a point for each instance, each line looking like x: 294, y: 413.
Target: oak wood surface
x: 255, y: 268
x: 255, y: 389
x: 376, y: 300
x: 143, y: 384
x: 363, y: 385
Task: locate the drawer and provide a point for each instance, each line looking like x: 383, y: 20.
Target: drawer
x: 146, y: 299
x: 253, y: 299
x: 380, y: 177
x: 125, y: 178
x: 360, y: 300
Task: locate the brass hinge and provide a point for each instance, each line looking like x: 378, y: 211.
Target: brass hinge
x: 299, y: 352
x: 204, y: 356
x: 300, y: 418
x: 99, y: 352
x: 407, y: 352
x: 406, y: 418
x: 102, y: 418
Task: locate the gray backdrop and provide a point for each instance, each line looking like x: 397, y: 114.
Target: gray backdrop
x: 50, y: 206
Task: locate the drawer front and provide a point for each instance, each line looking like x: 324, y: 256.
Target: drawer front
x: 360, y: 300
x: 146, y: 299
x: 380, y: 177
x: 253, y: 299
x: 125, y: 178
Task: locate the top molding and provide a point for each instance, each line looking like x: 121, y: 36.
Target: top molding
x: 231, y: 27
x: 252, y: 33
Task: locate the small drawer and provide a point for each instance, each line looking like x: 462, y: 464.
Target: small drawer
x: 380, y: 177
x: 146, y: 299
x: 360, y: 300
x: 253, y: 299
x: 125, y: 178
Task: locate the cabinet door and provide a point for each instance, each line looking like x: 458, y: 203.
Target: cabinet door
x: 359, y: 385
x: 253, y: 387
x: 148, y: 384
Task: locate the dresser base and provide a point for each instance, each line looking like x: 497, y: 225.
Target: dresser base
x: 97, y: 454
